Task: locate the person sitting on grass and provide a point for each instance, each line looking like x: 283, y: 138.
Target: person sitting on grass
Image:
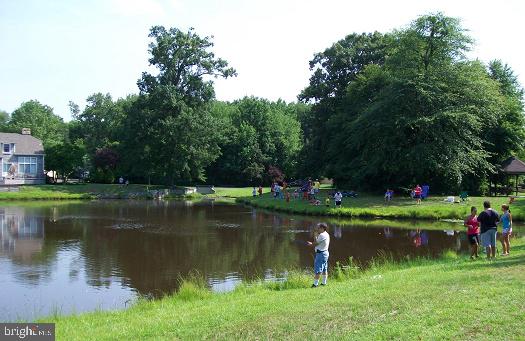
x: 472, y: 224
x: 320, y: 243
x: 315, y: 202
x: 506, y: 219
x: 488, y: 220
x: 338, y: 198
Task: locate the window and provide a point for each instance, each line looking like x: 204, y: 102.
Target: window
x: 7, y: 148
x: 6, y: 167
x: 27, y: 165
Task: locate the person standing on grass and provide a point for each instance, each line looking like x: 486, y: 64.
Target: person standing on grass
x: 317, y: 186
x: 260, y: 190
x: 417, y: 194
x: 320, y: 244
x: 472, y: 224
x: 489, y: 220
x: 254, y: 192
x: 506, y: 219
x: 338, y: 197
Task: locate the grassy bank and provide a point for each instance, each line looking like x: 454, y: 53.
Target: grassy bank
x: 77, y: 191
x: 366, y: 206
x: 109, y: 191
x: 450, y: 298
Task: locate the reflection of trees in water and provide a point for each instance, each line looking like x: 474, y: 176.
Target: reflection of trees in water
x: 180, y: 239
x: 150, y: 244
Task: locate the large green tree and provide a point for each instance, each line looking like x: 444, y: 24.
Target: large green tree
x: 427, y: 114
x: 44, y: 124
x: 175, y: 133
x: 66, y: 158
x: 257, y: 134
x: 332, y: 71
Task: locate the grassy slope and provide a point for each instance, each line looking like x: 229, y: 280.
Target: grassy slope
x: 451, y: 298
x: 374, y: 206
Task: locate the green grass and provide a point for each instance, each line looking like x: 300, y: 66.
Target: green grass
x: 367, y: 206
x: 108, y: 191
x: 452, y: 298
x: 76, y: 191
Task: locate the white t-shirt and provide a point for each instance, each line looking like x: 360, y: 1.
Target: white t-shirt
x: 338, y: 196
x: 323, y: 240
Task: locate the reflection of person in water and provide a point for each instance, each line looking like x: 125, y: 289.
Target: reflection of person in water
x: 338, y: 232
x: 388, y: 232
x: 424, y: 238
x: 416, y: 237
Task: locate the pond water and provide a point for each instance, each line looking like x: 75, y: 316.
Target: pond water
x: 75, y: 257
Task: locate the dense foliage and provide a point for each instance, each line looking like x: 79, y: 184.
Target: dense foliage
x: 418, y: 111
x: 380, y: 110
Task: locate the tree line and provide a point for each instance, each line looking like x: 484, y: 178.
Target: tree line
x: 380, y: 110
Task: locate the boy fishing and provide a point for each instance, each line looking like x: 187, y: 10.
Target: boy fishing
x: 320, y: 244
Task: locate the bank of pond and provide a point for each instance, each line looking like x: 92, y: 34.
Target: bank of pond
x: 373, y: 206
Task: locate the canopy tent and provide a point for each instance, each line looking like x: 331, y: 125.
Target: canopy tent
x: 513, y: 166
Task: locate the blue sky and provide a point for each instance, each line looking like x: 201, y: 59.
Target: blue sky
x: 55, y: 51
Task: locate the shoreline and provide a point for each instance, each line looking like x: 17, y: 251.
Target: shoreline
x: 372, y: 207
x: 383, y: 301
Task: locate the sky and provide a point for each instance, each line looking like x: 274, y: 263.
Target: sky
x: 56, y: 51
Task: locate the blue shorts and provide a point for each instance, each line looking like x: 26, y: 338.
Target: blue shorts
x: 488, y: 238
x: 321, y: 262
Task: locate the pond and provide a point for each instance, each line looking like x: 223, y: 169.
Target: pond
x: 82, y: 256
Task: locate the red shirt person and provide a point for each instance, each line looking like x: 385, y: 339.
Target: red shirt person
x: 417, y: 194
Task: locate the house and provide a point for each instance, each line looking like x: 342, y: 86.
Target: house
x: 21, y: 159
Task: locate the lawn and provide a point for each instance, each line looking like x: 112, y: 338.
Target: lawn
x: 452, y: 298
x: 76, y: 191
x: 367, y: 206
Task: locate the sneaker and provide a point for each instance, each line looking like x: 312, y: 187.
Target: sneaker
x: 314, y: 286
x: 323, y: 284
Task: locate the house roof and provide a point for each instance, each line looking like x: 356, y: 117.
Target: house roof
x: 514, y: 166
x: 24, y: 144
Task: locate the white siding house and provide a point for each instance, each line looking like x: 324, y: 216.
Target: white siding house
x: 21, y: 159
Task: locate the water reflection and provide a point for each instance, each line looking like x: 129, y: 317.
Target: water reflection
x: 86, y: 256
x: 21, y: 236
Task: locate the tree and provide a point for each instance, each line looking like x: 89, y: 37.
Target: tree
x: 105, y: 162
x: 177, y: 130
x: 426, y: 114
x: 259, y: 133
x: 65, y: 158
x: 4, y: 119
x: 44, y: 124
x: 183, y: 61
x: 98, y: 124
x: 332, y: 71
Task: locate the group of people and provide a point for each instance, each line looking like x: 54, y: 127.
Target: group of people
x: 483, y: 228
x: 310, y: 192
x: 416, y: 193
